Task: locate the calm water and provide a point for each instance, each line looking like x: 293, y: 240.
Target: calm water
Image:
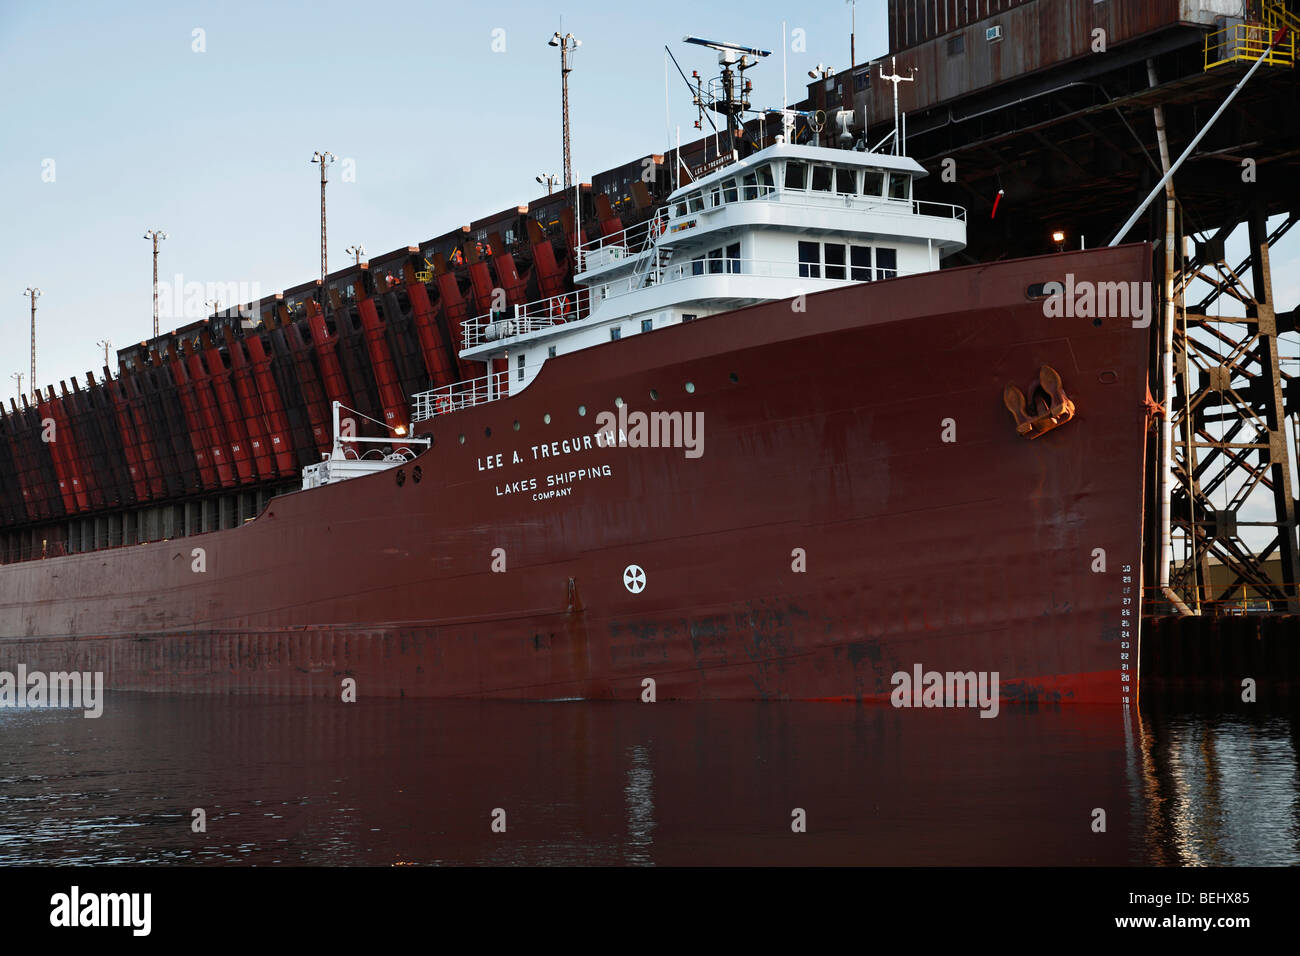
x: 386, y: 782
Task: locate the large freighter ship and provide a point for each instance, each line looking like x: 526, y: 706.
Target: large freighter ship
x: 756, y: 445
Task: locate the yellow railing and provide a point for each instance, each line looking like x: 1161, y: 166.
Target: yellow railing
x: 1248, y: 42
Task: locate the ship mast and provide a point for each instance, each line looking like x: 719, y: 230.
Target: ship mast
x: 155, y: 235
x: 567, y: 44
x: 33, y: 293
x: 324, y: 157
x: 895, y: 78
x: 735, y: 89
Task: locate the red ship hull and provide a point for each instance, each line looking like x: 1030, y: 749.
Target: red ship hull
x: 863, y: 504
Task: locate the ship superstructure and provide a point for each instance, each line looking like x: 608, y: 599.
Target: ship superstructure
x: 787, y: 220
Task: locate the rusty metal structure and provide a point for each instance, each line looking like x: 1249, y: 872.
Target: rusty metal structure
x: 1047, y: 116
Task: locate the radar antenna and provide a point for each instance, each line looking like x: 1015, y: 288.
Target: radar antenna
x: 733, y: 99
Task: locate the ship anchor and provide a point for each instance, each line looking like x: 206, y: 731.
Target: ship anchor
x: 1051, y: 406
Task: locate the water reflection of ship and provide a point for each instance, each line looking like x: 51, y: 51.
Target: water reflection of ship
x: 387, y: 782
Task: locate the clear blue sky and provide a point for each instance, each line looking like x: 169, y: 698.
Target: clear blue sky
x: 214, y: 147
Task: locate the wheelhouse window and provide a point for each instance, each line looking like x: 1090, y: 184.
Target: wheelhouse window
x: 873, y: 182
x: 715, y: 261
x: 796, y: 175
x: 751, y: 186
x: 860, y: 263
x: 733, y: 257
x: 679, y: 209
x: 765, y: 181
x: 844, y: 180
x: 729, y: 193
x: 810, y: 260
x: 821, y: 178
x: 695, y: 202
x: 715, y: 197
x: 886, y: 263
x: 834, y: 260
x: 899, y: 185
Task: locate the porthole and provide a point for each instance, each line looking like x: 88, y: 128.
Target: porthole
x: 461, y: 439
x: 654, y: 394
x: 690, y: 388
x: 582, y: 409
x: 416, y: 474
x: 618, y: 403
x: 547, y: 418
x: 1097, y: 322
x: 516, y: 424
x: 487, y: 432
x: 734, y: 378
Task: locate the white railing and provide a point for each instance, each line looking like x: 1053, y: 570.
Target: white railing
x: 533, y: 317
x: 620, y: 245
x: 723, y: 267
x: 824, y: 199
x: 449, y: 398
x: 940, y: 210
x: 530, y: 317
x: 629, y: 243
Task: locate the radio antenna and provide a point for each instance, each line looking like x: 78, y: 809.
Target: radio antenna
x: 735, y: 59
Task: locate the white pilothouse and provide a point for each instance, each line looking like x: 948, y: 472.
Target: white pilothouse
x: 786, y: 220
